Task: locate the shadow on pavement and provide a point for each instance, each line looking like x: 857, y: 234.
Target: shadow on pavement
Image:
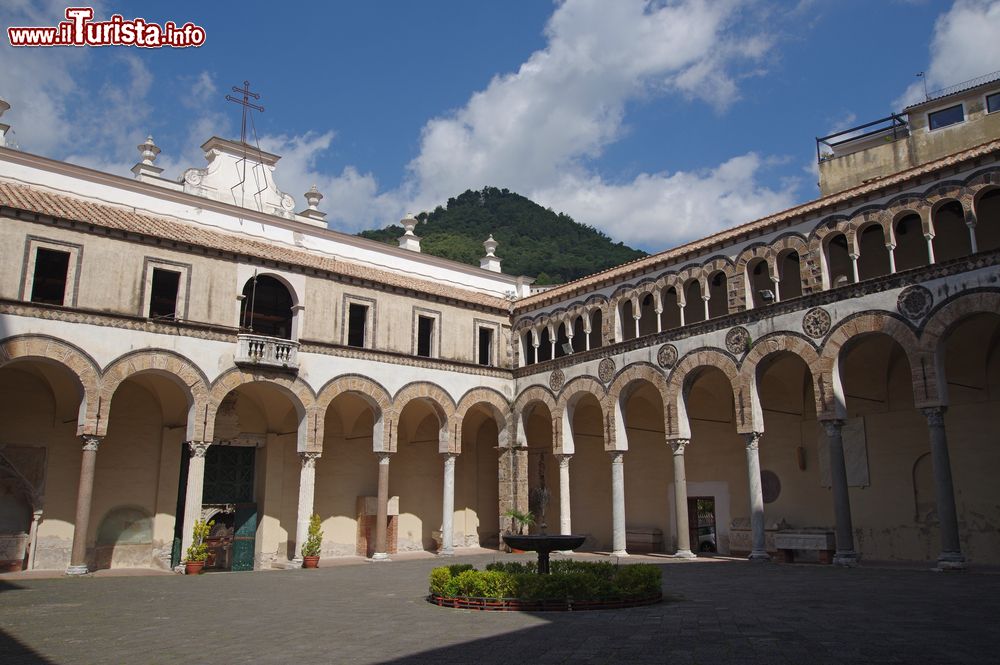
x: 15, y: 653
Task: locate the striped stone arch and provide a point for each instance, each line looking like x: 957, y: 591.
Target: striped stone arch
x: 764, y: 349
x: 437, y: 397
x: 945, y: 192
x: 167, y: 363
x: 372, y: 392
x: 909, y: 205
x: 675, y: 409
x: 861, y: 221
x: 618, y: 391
x: 923, y: 374
x: 581, y: 385
x: 810, y: 273
x: 497, y: 405
x: 528, y: 397
x: 297, y: 390
x: 940, y: 324
x: 666, y: 279
x: 758, y: 250
x: 78, y: 362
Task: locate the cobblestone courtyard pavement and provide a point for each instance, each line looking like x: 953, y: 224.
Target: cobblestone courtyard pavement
x: 719, y: 612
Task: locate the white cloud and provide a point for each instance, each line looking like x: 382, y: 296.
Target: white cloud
x: 965, y: 45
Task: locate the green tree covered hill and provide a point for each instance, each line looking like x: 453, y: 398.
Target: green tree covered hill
x: 533, y: 241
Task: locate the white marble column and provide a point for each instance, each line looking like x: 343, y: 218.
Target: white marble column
x: 681, y: 500
x: 854, y: 267
x: 844, y: 527
x: 705, y: 298
x: 84, y: 496
x: 637, y: 316
x: 951, y: 557
x: 680, y: 308
x: 382, y: 512
x: 448, y: 507
x: 970, y: 222
x: 193, y: 492
x: 930, y: 247
x: 565, y: 523
x: 892, y: 258
x: 759, y: 548
x: 618, y: 503
x: 307, y: 494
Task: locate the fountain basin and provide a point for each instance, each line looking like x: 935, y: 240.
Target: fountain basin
x: 544, y: 544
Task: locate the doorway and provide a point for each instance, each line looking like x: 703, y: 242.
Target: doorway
x: 701, y: 524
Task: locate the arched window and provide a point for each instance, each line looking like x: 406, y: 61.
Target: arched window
x: 596, y: 329
x: 647, y: 324
x: 694, y: 306
x: 671, y: 312
x: 529, y: 348
x: 266, y: 308
x: 760, y: 283
x: 718, y: 304
x: 562, y: 340
x: 545, y: 348
x: 789, y: 276
x: 627, y: 320
x: 911, y: 246
x: 873, y: 260
x: 579, y: 337
x: 951, y: 235
x: 988, y: 221
x: 838, y: 261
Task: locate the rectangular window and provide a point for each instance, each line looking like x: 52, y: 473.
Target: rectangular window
x: 357, y: 322
x: 425, y: 336
x: 48, y: 285
x: 993, y: 102
x: 485, y: 346
x: 945, y: 117
x: 163, y: 296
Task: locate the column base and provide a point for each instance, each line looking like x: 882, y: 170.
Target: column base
x: 849, y: 559
x: 759, y: 556
x: 446, y: 552
x: 79, y: 569
x: 380, y: 556
x: 684, y: 554
x: 621, y: 554
x: 294, y: 563
x: 951, y: 561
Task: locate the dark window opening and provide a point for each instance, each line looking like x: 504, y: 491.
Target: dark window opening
x: 945, y: 117
x: 529, y: 349
x: 163, y: 299
x: 993, y: 102
x: 485, y: 346
x: 49, y: 283
x: 357, y: 321
x: 267, y: 308
x: 425, y: 334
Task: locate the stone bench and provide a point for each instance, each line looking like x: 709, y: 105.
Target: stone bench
x: 788, y: 542
x: 640, y: 540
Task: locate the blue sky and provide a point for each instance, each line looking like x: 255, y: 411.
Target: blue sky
x: 657, y: 122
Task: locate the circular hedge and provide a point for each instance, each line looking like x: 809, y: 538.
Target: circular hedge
x: 571, y: 586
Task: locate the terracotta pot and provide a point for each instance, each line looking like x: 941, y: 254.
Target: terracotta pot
x: 310, y: 562
x: 193, y: 567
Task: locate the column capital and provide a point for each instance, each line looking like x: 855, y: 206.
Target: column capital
x: 753, y: 440
x: 617, y: 456
x: 678, y: 445
x: 91, y: 442
x: 564, y: 459
x: 198, y: 448
x: 383, y: 457
x: 308, y: 459
x: 934, y: 415
x: 832, y: 427
x: 449, y: 457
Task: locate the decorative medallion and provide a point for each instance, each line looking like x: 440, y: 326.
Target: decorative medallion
x: 556, y: 380
x: 914, y: 302
x: 816, y: 322
x: 667, y: 355
x: 606, y: 370
x: 738, y: 340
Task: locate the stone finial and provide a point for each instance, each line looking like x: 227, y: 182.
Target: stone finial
x: 148, y: 151
x: 313, y: 197
x: 490, y: 262
x: 409, y: 240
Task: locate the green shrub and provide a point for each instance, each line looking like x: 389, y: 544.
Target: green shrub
x: 457, y: 569
x: 439, y: 580
x: 314, y: 540
x: 513, y: 567
x: 637, y: 580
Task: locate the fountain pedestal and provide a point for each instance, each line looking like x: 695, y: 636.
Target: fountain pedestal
x: 544, y: 545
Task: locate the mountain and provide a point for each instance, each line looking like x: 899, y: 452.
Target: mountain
x: 534, y: 241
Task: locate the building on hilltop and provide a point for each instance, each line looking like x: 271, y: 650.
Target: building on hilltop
x: 821, y: 383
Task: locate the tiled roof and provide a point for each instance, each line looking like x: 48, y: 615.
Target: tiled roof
x: 31, y: 199
x: 674, y: 256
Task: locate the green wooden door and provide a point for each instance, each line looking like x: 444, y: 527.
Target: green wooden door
x: 243, y: 538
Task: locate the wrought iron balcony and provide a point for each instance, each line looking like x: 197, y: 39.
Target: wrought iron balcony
x: 273, y: 352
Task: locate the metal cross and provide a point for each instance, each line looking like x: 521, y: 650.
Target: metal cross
x: 245, y: 103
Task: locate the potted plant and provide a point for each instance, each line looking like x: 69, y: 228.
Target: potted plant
x: 314, y: 541
x: 197, y: 553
